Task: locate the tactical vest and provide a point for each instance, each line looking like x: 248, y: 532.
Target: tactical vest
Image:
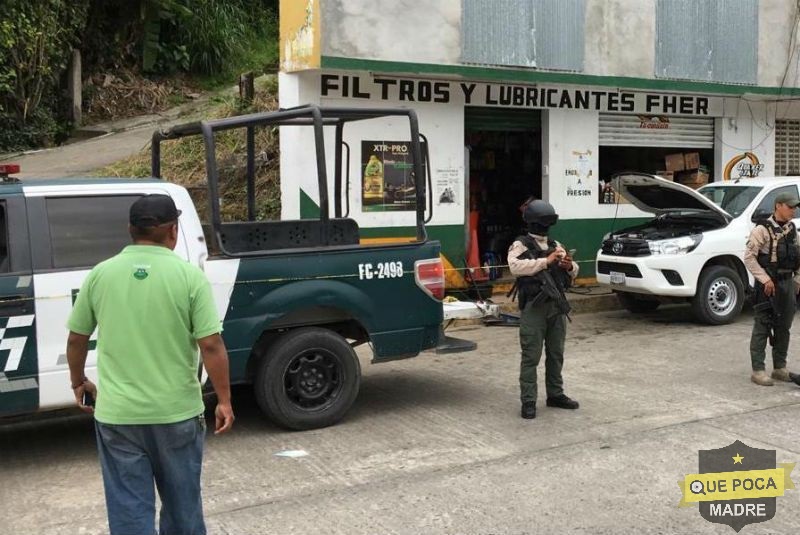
x: 529, y: 286
x: 783, y: 254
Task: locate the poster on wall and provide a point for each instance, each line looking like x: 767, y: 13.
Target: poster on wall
x: 579, y: 174
x: 446, y: 185
x: 387, y: 183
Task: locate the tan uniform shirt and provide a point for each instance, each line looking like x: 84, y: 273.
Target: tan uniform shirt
x: 758, y: 242
x: 520, y: 267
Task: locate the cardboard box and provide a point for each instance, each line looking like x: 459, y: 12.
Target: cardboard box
x: 691, y: 160
x: 692, y: 179
x: 674, y: 162
x: 668, y: 175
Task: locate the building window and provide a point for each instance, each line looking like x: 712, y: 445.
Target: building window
x: 545, y: 34
x: 787, y: 148
x: 707, y: 40
x: 87, y: 230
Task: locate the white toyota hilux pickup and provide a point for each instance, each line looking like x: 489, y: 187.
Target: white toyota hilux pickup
x: 694, y: 247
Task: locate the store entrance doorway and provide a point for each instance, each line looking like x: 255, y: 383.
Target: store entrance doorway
x: 505, y: 168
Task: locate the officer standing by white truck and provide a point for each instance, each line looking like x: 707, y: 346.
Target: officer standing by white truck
x: 772, y: 255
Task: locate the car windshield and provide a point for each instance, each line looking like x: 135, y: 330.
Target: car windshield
x: 732, y: 199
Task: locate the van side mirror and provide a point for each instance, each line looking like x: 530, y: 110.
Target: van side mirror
x: 760, y: 215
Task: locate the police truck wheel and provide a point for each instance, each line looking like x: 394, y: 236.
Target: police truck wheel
x: 636, y: 305
x: 720, y: 296
x: 308, y: 379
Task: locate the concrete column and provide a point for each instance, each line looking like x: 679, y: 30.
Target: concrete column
x: 75, y: 88
x: 247, y: 87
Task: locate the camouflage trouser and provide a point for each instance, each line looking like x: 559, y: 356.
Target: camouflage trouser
x: 541, y: 325
x: 763, y: 321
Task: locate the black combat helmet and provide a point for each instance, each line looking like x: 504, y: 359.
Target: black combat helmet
x: 539, y: 215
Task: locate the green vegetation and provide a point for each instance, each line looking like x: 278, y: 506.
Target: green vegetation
x: 211, y: 38
x: 36, y: 40
x: 204, y: 43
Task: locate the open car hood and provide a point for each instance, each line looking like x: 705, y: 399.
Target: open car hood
x: 658, y: 195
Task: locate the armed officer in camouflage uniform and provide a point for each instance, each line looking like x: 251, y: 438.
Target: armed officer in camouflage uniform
x: 772, y: 255
x: 544, y: 271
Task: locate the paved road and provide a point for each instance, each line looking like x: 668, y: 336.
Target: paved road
x: 435, y: 445
x: 123, y: 138
x: 83, y: 158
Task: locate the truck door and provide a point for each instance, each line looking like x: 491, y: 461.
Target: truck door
x: 74, y: 233
x: 19, y: 388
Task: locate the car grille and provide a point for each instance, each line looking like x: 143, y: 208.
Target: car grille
x: 629, y: 247
x: 630, y: 270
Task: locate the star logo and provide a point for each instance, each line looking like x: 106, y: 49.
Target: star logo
x: 737, y: 459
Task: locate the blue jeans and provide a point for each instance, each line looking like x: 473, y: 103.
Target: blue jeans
x: 134, y: 457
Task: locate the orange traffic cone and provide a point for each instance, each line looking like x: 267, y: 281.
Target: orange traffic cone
x: 476, y: 272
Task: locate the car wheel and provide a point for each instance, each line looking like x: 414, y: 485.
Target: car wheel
x: 308, y: 379
x: 636, y: 304
x: 720, y: 296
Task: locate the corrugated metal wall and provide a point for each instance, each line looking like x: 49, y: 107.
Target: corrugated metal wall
x: 707, y: 40
x: 546, y: 34
x: 618, y: 130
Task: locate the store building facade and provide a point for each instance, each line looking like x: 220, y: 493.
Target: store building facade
x: 499, y: 129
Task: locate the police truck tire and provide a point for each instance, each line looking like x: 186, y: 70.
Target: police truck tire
x: 720, y: 296
x: 308, y: 379
x: 636, y: 305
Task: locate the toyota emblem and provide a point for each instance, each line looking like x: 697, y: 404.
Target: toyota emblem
x: 617, y: 247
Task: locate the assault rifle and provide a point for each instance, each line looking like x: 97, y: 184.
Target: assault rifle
x: 551, y: 289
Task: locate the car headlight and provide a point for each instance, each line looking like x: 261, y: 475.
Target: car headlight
x: 682, y: 245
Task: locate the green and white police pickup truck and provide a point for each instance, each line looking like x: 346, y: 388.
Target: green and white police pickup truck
x: 296, y: 296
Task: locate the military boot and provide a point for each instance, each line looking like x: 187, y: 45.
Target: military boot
x: 528, y: 410
x: 781, y: 374
x: 761, y: 378
x: 562, y: 402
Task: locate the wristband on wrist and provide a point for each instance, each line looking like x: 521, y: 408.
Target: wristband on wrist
x: 81, y: 383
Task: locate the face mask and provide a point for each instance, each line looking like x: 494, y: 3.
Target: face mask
x: 538, y: 228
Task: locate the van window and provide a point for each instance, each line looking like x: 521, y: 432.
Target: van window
x: 87, y: 230
x: 767, y: 204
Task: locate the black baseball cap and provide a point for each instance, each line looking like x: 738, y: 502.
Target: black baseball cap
x: 153, y: 210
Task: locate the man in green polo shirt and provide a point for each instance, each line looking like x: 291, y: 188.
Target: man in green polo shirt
x: 152, y: 310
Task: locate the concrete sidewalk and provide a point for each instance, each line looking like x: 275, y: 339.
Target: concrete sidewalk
x: 99, y: 145
x: 113, y: 141
x: 592, y: 298
x: 584, y: 298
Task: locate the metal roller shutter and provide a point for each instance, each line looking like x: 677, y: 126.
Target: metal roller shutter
x: 787, y: 148
x: 619, y: 130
